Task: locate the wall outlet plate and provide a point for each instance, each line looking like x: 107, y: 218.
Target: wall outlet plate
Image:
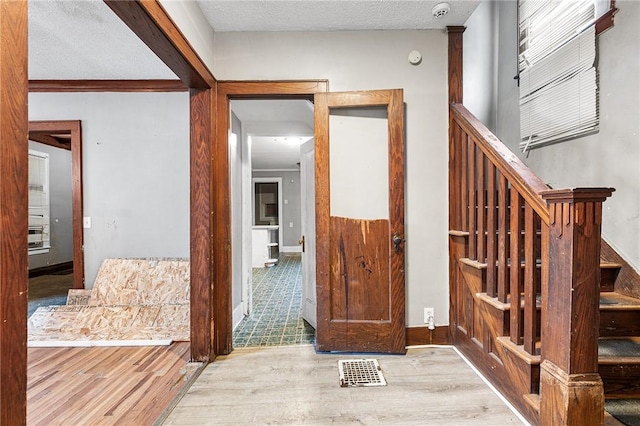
x: 428, y: 313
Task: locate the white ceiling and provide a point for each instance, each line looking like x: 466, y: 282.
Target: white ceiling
x: 332, y: 15
x: 84, y: 39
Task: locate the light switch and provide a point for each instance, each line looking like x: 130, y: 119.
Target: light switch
x: 290, y: 224
x: 86, y: 222
x: 286, y: 201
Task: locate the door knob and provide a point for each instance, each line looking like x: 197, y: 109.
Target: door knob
x: 397, y: 240
x: 301, y: 242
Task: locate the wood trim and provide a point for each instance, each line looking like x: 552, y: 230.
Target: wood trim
x: 509, y: 165
x: 73, y: 128
x: 221, y: 229
x: 151, y: 23
x: 51, y: 269
x: 13, y: 212
x: 606, y: 21
x: 62, y: 86
x: 202, y: 321
x: 417, y: 336
x: 455, y: 63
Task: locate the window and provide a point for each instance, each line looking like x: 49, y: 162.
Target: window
x: 38, y: 202
x: 557, y: 69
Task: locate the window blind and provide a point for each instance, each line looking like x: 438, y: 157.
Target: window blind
x: 558, y: 78
x: 39, y: 235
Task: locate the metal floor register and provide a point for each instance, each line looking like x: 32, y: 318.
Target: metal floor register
x: 360, y: 372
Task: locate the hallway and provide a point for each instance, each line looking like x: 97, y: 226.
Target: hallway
x: 276, y: 320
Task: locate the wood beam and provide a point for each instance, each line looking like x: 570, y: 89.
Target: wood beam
x: 202, y: 320
x: 49, y: 140
x: 13, y: 212
x: 151, y: 23
x: 62, y: 86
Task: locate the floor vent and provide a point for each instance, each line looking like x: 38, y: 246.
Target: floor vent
x: 360, y: 372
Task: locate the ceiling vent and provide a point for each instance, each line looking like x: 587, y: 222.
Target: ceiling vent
x: 440, y: 9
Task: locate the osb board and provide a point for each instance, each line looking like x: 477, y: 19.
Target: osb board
x: 110, y: 323
x: 78, y: 296
x: 141, y: 282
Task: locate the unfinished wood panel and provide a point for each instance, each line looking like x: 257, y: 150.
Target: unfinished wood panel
x: 359, y: 259
x: 73, y: 86
x: 78, y: 296
x: 13, y: 211
x: 141, y: 282
x: 106, y: 386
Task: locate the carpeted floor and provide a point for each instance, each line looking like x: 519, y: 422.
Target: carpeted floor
x: 47, y: 290
x: 276, y: 320
x: 625, y: 410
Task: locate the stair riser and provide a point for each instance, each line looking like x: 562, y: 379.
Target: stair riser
x: 619, y: 323
x: 620, y: 380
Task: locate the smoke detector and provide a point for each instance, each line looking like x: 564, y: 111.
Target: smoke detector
x: 440, y: 9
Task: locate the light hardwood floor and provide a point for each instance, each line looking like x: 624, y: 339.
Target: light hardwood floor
x: 294, y: 385
x: 104, y: 385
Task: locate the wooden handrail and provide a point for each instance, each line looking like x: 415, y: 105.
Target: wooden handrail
x: 517, y: 173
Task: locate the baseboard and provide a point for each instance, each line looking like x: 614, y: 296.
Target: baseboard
x: 291, y: 249
x: 417, y: 336
x: 51, y: 269
x: 238, y: 314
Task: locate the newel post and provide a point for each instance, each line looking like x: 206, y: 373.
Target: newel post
x: 571, y: 391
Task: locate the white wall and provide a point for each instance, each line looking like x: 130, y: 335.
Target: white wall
x: 610, y: 158
x: 136, y: 171
x: 291, y: 210
x: 479, y: 64
x: 61, y: 217
x: 375, y: 60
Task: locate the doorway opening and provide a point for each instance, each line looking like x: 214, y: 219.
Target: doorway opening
x: 56, y: 258
x: 266, y: 136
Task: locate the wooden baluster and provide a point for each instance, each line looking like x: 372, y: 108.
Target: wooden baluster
x: 491, y: 230
x: 472, y: 200
x: 530, y: 312
x: 464, y: 180
x: 455, y: 197
x: 571, y: 391
x: 480, y: 211
x: 503, y: 197
x: 515, y: 272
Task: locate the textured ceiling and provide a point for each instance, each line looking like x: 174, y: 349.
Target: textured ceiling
x: 331, y: 15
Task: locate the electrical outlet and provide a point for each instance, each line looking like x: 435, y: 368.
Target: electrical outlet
x: 428, y: 313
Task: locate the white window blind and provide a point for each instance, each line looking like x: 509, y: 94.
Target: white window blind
x: 39, y: 238
x: 557, y: 66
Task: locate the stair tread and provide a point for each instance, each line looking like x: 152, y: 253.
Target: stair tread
x: 619, y: 350
x: 610, y: 300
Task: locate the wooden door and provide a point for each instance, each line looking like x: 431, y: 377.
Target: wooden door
x: 360, y: 221
x: 308, y: 240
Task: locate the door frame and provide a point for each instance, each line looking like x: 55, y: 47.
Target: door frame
x: 44, y: 132
x: 226, y: 91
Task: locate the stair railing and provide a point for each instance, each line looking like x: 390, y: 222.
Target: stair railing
x: 541, y: 248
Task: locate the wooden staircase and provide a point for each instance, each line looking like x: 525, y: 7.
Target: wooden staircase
x: 571, y: 337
